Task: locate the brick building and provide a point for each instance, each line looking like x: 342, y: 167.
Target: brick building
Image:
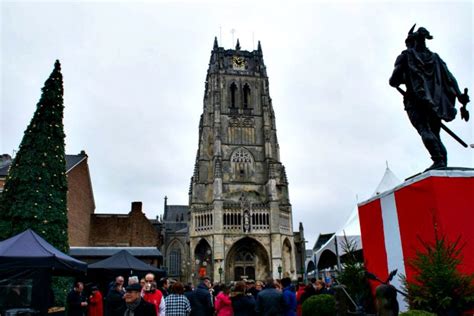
x: 80, y: 199
x: 123, y: 230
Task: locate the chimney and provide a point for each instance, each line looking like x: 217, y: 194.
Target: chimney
x: 6, y: 160
x: 136, y: 206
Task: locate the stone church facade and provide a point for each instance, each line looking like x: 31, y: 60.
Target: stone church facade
x: 240, y: 216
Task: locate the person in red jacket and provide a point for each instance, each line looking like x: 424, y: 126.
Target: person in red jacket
x: 95, y: 307
x: 223, y: 304
x: 152, y: 295
x: 299, y: 293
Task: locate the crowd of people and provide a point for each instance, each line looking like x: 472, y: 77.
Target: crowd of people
x: 148, y: 297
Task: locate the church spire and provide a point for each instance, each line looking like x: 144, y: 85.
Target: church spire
x: 216, y: 46
x: 259, y: 48
x: 237, y: 46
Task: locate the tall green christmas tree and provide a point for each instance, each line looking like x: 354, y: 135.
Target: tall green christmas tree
x: 35, y: 190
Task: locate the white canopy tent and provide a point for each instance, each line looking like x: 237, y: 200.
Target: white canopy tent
x: 351, y: 228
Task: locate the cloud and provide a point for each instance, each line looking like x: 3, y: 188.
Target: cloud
x: 134, y: 82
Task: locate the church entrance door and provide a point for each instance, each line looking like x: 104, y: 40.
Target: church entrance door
x: 241, y: 273
x: 247, y: 259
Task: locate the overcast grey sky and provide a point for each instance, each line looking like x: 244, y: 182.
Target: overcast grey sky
x: 134, y: 82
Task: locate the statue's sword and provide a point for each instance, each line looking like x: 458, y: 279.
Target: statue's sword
x: 444, y: 127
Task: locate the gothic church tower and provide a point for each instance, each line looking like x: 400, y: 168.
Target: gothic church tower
x: 240, y: 223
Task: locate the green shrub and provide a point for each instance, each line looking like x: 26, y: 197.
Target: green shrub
x: 319, y: 305
x: 417, y: 312
x: 438, y: 286
x: 354, y: 278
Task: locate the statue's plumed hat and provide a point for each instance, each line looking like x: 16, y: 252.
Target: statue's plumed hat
x: 422, y: 32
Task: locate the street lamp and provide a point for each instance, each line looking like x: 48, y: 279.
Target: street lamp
x: 220, y: 274
x: 279, y: 271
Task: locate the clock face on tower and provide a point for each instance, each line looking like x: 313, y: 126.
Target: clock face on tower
x: 238, y: 63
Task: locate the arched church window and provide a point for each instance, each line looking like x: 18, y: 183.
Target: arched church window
x: 233, y: 89
x: 242, y: 164
x: 246, y: 96
x: 175, y: 262
x: 241, y: 155
x: 244, y: 255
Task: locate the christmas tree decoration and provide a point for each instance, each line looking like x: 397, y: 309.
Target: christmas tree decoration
x: 35, y: 191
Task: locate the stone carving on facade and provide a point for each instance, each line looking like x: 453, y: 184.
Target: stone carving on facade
x: 246, y: 226
x: 237, y: 121
x: 244, y: 202
x: 218, y: 168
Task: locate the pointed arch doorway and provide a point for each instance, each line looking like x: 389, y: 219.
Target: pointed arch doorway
x: 247, y: 259
x: 203, y: 260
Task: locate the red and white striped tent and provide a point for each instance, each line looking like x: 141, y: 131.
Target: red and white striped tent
x: 393, y: 222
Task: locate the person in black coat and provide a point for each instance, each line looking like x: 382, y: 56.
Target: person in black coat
x: 135, y: 305
x: 270, y: 301
x: 76, y: 302
x: 200, y: 299
x: 243, y: 304
x: 309, y: 291
x: 114, y: 302
x: 321, y: 287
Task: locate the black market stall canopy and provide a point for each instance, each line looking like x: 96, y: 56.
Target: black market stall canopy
x: 121, y: 263
x: 124, y: 261
x: 28, y: 250
x: 27, y: 263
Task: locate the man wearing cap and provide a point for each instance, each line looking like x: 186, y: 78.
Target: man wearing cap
x: 135, y: 305
x: 431, y: 92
